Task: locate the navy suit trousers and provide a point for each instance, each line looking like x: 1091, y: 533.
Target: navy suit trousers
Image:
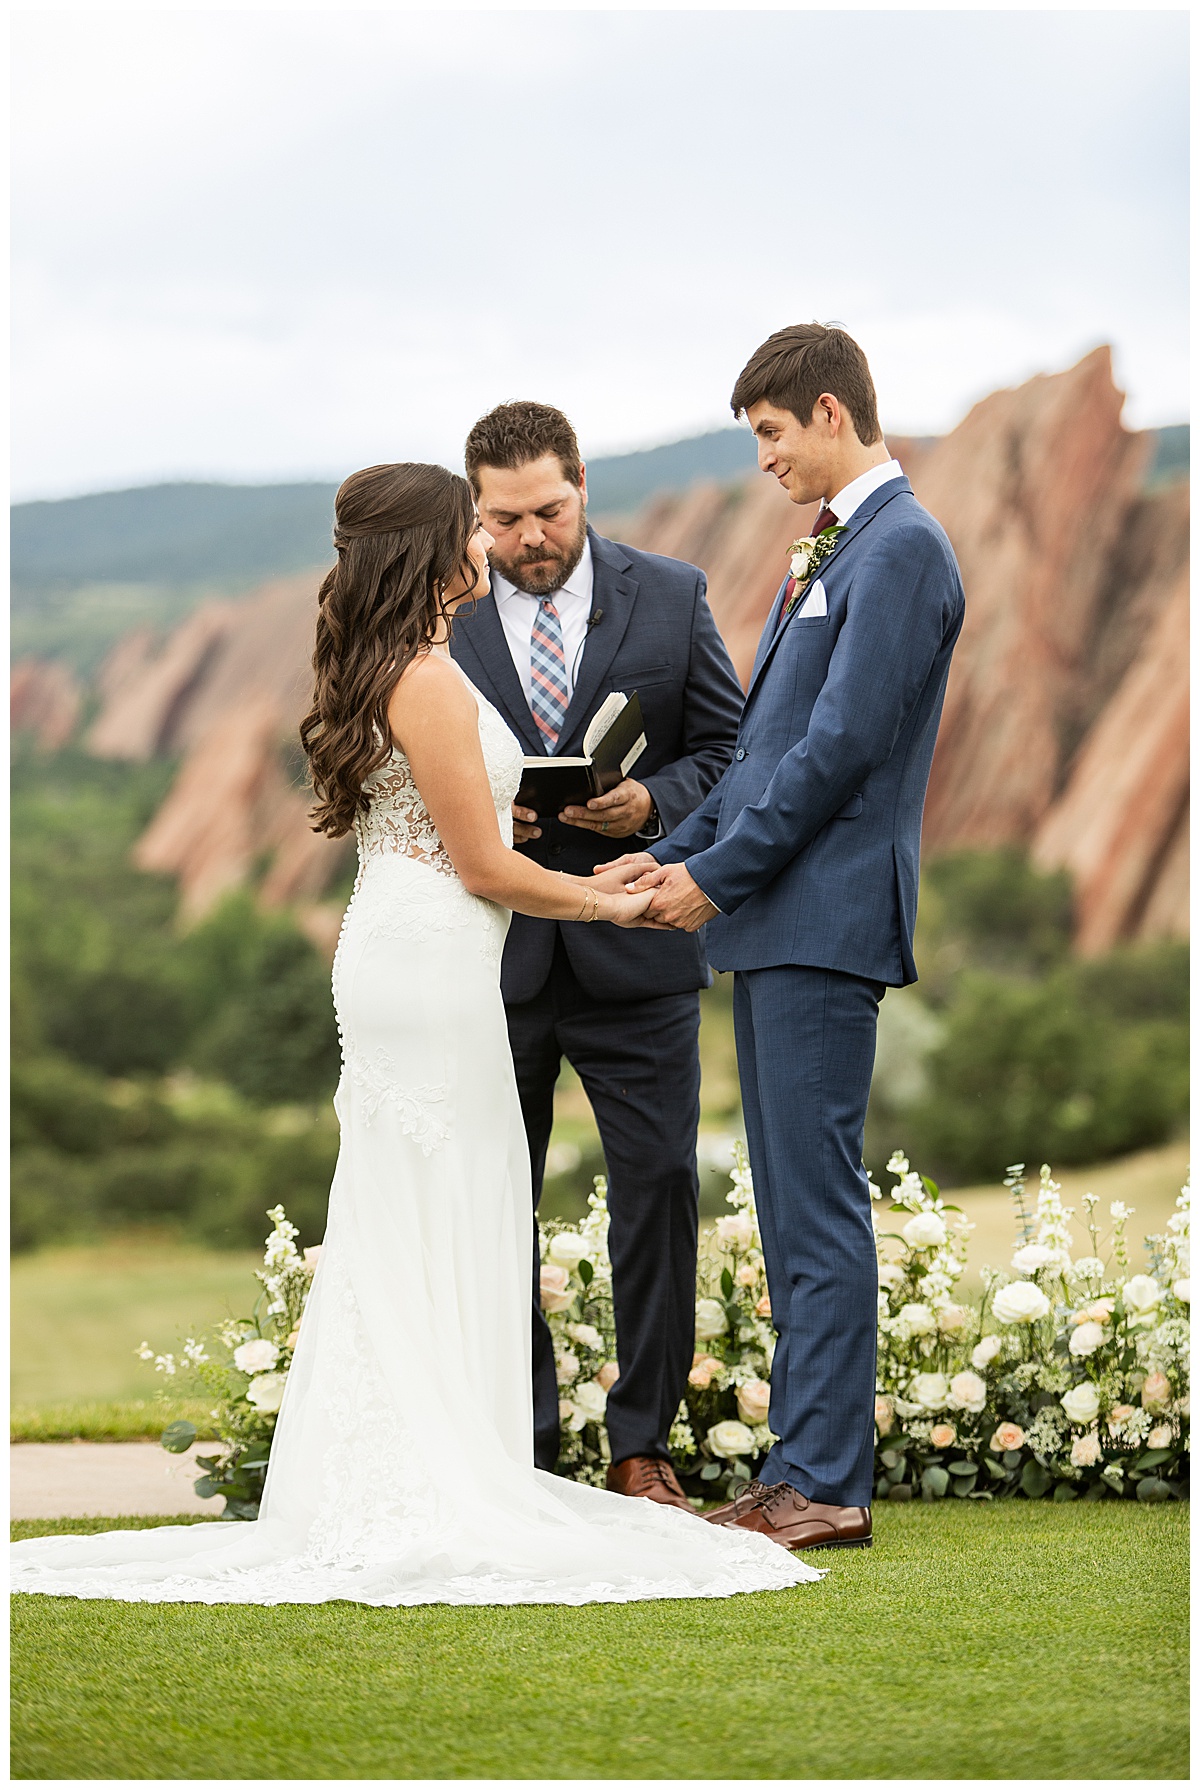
x: 806, y: 1049
x: 639, y: 1063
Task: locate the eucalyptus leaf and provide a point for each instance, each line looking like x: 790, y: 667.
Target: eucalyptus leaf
x: 962, y: 1488
x: 1035, y: 1481
x: 900, y: 1494
x: 1153, y: 1491
x: 935, y: 1480
x: 1153, y: 1457
x: 1064, y: 1493
x: 206, y: 1487
x: 964, y: 1468
x: 178, y: 1437
x: 710, y: 1470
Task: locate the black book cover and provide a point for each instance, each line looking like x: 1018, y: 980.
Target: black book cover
x: 612, y: 745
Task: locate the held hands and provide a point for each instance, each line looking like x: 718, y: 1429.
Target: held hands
x: 676, y: 905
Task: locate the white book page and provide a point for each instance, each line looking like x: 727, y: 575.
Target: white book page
x: 603, y: 719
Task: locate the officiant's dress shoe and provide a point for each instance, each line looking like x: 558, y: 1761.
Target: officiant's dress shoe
x: 646, y: 1476
x: 785, y: 1515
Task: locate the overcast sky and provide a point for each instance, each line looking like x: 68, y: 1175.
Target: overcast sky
x: 276, y: 245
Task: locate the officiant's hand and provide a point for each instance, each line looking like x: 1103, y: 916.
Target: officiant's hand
x: 678, y: 902
x: 525, y: 825
x: 619, y: 814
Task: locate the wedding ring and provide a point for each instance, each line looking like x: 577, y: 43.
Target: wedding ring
x: 604, y: 826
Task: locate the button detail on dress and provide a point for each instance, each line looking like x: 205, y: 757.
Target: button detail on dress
x: 740, y: 753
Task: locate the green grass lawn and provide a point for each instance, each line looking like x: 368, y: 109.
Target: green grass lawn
x: 974, y: 1641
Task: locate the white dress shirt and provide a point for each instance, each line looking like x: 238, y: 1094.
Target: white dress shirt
x: 858, y: 490
x: 574, y: 605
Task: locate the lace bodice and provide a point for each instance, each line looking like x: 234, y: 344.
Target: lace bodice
x: 398, y: 821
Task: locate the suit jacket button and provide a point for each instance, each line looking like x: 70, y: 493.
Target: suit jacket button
x: 740, y: 753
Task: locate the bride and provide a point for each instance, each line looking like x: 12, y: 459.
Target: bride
x: 401, y: 1468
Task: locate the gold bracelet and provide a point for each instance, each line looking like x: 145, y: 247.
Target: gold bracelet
x: 595, y: 914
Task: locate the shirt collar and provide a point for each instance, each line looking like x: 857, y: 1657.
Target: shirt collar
x: 578, y: 585
x: 858, y: 490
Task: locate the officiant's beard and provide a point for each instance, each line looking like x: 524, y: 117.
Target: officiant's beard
x: 540, y: 570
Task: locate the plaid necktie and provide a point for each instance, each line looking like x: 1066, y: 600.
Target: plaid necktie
x: 548, y: 672
x: 825, y: 519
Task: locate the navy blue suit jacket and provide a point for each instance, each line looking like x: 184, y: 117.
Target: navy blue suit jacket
x: 810, y: 843
x: 656, y: 635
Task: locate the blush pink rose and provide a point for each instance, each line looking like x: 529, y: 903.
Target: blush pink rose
x: 1006, y: 1436
x: 703, y: 1369
x: 763, y: 1308
x: 885, y: 1416
x: 555, y: 1283
x: 608, y: 1375
x: 753, y: 1401
x: 942, y: 1435
x: 1156, y: 1391
x: 1085, y: 1450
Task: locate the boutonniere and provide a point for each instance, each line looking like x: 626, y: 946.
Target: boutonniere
x: 808, y: 554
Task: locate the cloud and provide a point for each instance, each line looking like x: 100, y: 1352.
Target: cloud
x: 262, y: 245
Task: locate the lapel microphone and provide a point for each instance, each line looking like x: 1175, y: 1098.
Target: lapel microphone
x: 593, y: 618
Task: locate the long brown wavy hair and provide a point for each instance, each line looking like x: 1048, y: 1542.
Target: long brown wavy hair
x: 401, y: 534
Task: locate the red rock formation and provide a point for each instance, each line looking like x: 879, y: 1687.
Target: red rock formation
x: 1064, y: 727
x: 45, y: 701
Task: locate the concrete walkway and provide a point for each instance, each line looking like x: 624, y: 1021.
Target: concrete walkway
x: 106, y: 1479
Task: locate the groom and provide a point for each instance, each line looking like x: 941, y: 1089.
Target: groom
x: 803, y: 864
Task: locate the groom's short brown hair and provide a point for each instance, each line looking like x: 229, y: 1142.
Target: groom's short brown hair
x: 795, y: 365
x: 514, y: 434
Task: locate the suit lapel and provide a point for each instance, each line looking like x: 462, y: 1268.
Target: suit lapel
x: 773, y: 633
x: 482, y: 634
x: 613, y: 593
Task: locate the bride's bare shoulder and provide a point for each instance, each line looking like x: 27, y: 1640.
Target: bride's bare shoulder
x: 431, y: 692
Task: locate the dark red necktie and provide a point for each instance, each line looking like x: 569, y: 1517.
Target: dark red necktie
x: 825, y: 519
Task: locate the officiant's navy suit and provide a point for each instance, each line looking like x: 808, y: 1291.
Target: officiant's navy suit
x: 622, y: 1006
x: 809, y: 845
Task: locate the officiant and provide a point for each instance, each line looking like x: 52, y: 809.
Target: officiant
x: 572, y: 617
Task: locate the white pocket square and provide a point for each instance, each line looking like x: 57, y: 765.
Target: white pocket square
x: 814, y: 602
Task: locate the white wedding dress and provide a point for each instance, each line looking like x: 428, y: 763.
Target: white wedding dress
x: 401, y: 1470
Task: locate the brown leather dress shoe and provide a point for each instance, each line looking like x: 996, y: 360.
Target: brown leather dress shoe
x: 646, y: 1476
x: 785, y: 1515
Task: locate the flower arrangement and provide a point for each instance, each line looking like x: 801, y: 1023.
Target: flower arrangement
x: 1069, y: 1378
x: 1078, y: 1385
x: 248, y: 1376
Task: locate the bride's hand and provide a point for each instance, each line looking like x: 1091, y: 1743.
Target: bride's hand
x: 625, y: 910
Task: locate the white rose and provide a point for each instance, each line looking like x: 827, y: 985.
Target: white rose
x: 918, y: 1319
x: 1160, y: 1436
x: 591, y: 1399
x: 711, y: 1321
x: 1183, y: 1291
x: 800, y: 559
x: 754, y: 1401
x: 1086, y: 1339
x: 1085, y: 1450
x: 930, y: 1391
x: 567, y: 1248
x: 555, y: 1283
x: 1020, y: 1303
x: 986, y: 1351
x: 566, y: 1366
x: 925, y: 1230
x: 1081, y: 1404
x: 736, y: 1230
x: 266, y: 1393
x: 967, y: 1392
x: 256, y: 1357
x: 890, y: 1275
x: 1142, y: 1293
x: 729, y: 1439
x: 1032, y: 1257
x: 586, y: 1335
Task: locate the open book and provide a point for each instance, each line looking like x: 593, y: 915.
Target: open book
x: 612, y: 745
